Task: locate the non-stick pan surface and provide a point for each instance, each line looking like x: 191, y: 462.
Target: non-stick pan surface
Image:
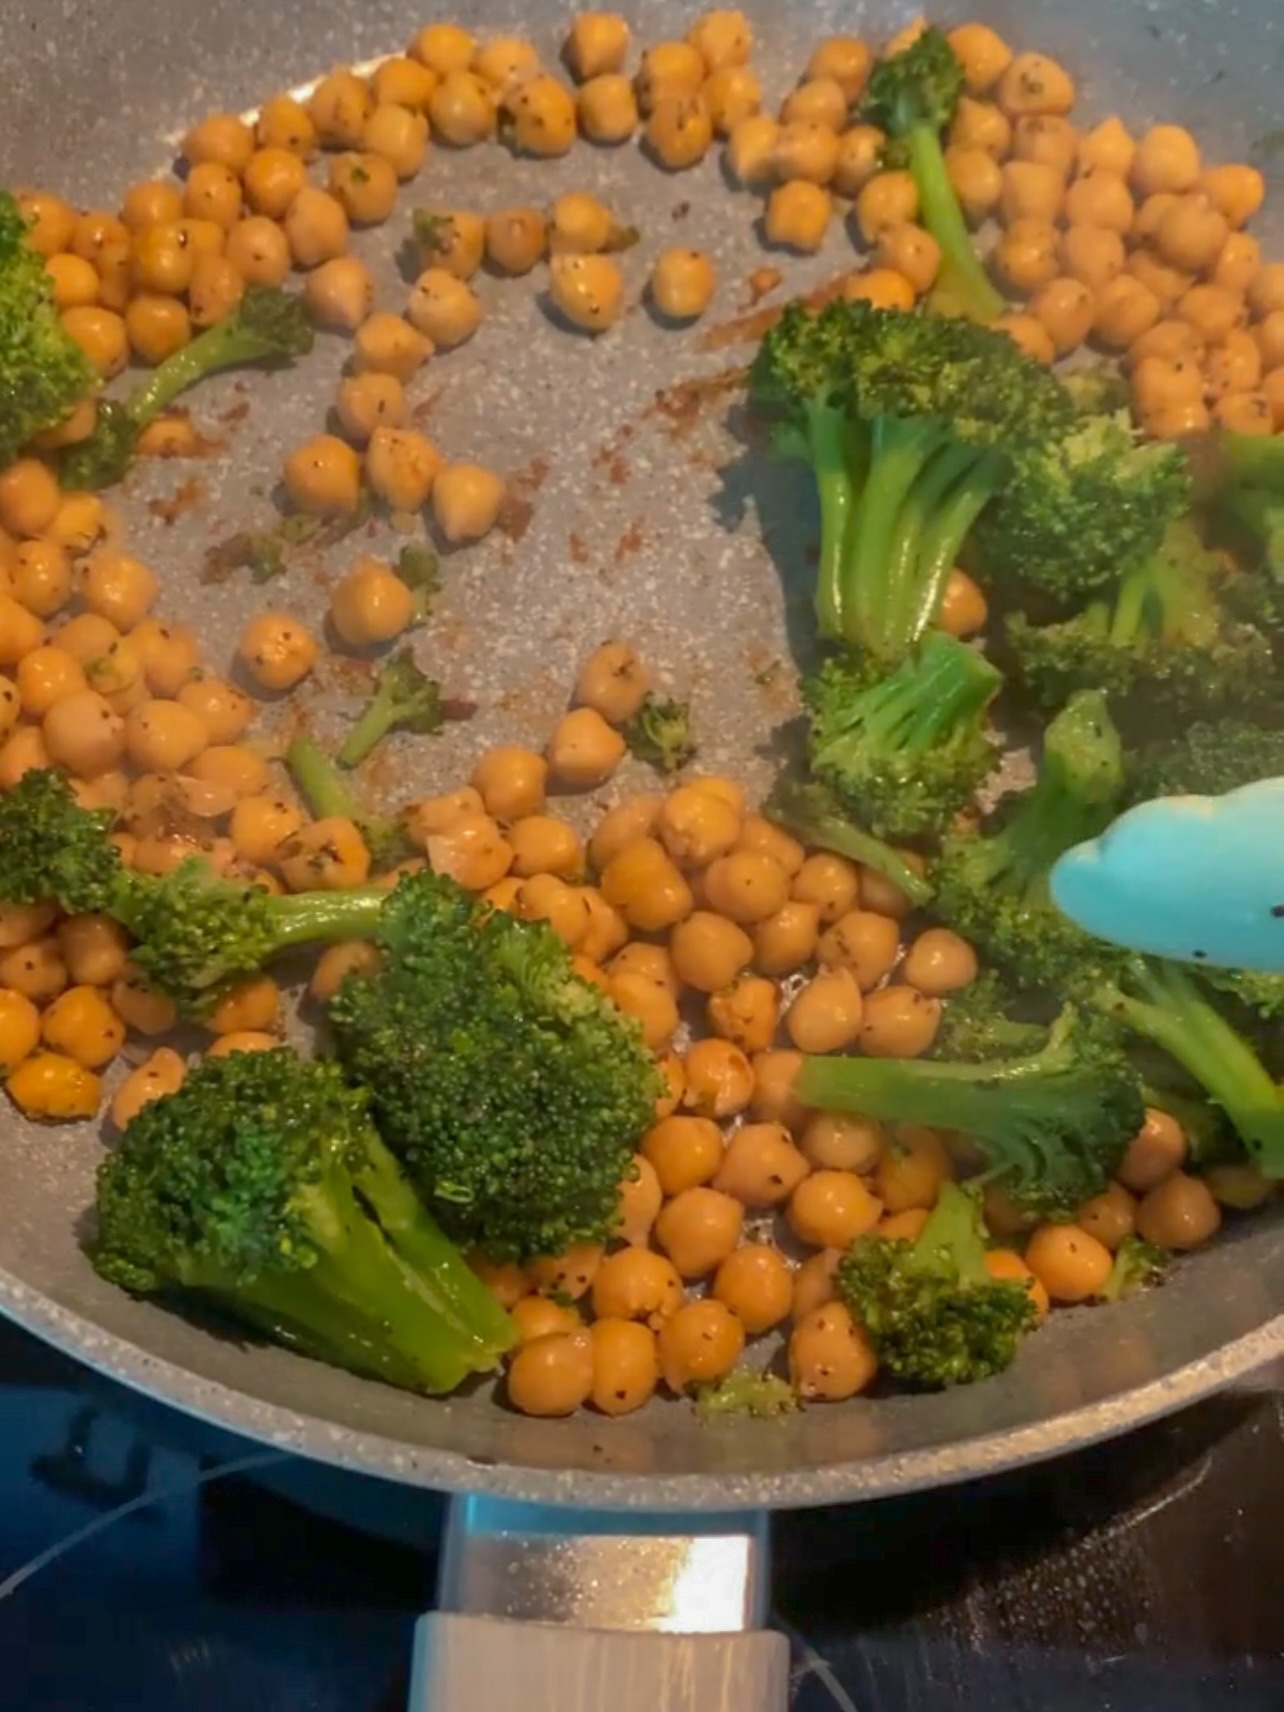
x: 642, y: 508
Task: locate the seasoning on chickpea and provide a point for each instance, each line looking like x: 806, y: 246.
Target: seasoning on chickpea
x: 682, y: 284
x: 277, y: 650
x: 798, y: 215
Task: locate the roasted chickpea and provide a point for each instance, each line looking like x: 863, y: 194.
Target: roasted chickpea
x: 1125, y: 310
x: 1110, y: 1216
x: 699, y: 1344
x: 597, y: 43
x: 669, y: 68
x: 371, y: 605
x: 1155, y: 1152
x: 83, y: 734
x: 44, y: 676
x: 337, y: 962
x: 697, y: 827
x: 542, y: 119
x: 1108, y: 146
x: 797, y: 216
x: 1025, y: 257
x: 865, y: 944
x: 682, y: 284
x: 1031, y: 190
x: 1237, y: 1184
x: 1234, y: 367
x: 977, y: 179
x: 1236, y: 191
x: 614, y: 681
x: 568, y: 1275
x: 515, y: 240
x: 316, y: 227
x: 388, y: 344
x: 539, y: 1316
x: 474, y: 853
x: 364, y: 186
x: 506, y: 62
x: 838, y: 1141
x: 368, y: 401
x: 830, y: 1209
x: 964, y: 609
x: 1092, y: 254
x: 1212, y: 311
x: 161, y: 1072
x: 443, y: 48
x: 51, y: 222
x: 721, y: 38
x: 466, y: 501
x: 637, y: 1284
x: 1166, y: 159
x: 323, y: 477
x: 73, y: 281
x: 626, y: 1366
x: 684, y: 1152
x: 678, y: 131
x: 980, y: 125
x: 816, y: 101
x: 338, y: 107
x: 101, y: 335
x: 259, y: 250
x: 751, y: 149
x: 746, y: 1013
x: 709, y: 951
x: 806, y: 150
x: 223, y: 138
x: 285, y: 123
x: 831, y: 883
x: 444, y: 308
x: 640, y: 1200
x: 1269, y: 334
x: 757, y: 1285
x: 830, y: 1358
x: 1048, y: 140
x: 719, y: 1079
x: 587, y: 290
x: 983, y: 55
x: 552, y: 1376
x: 939, y: 963
x: 1034, y: 84
x: 731, y: 94
x: 403, y: 82
x: 746, y: 886
x: 402, y: 467
x: 397, y: 135
x: 41, y: 577
x: 607, y: 109
x: 277, y: 650
x: 889, y: 199
x: 698, y: 1229
x: 1071, y: 1265
x: 761, y: 1166
x: 157, y: 327
x: 899, y: 1022
x: 1266, y: 293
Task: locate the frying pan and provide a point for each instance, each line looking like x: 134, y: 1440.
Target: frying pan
x: 641, y: 506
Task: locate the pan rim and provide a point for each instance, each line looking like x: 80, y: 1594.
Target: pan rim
x: 359, y: 1451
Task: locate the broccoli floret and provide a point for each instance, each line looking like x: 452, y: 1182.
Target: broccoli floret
x: 51, y: 849
x: 906, y: 753
x: 420, y: 569
x: 1162, y: 645
x: 977, y: 1024
x: 326, y: 792
x: 913, y: 97
x: 513, y: 1091
x: 405, y: 698
x: 267, y: 327
x: 1206, y: 759
x: 1164, y: 1004
x: 1052, y: 1126
x: 762, y: 1396
x: 1240, y: 479
x: 811, y: 813
x: 1139, y: 1265
x: 43, y: 373
x: 907, y: 423
x: 262, y: 1189
x: 933, y: 1313
x: 1081, y: 508
x: 992, y: 885
x: 660, y: 734
x: 194, y: 930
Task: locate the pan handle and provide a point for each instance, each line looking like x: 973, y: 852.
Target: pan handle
x: 555, y: 1610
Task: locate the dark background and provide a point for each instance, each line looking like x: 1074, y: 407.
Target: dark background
x: 1146, y: 1575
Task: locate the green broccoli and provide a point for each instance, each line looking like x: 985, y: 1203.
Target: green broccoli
x: 1165, y: 1005
x: 761, y: 1396
x: 905, y: 754
x: 194, y: 930
x: 811, y: 813
x: 326, y: 792
x: 1240, y: 480
x: 405, y: 698
x: 977, y: 1024
x: 1205, y: 759
x: 1051, y: 1127
x: 43, y: 373
x: 261, y: 1189
x: 1139, y: 1265
x: 907, y: 423
x: 420, y: 569
x: 659, y: 734
x: 933, y: 1313
x: 1081, y: 508
x: 913, y: 97
x: 992, y: 885
x: 267, y: 327
x: 1163, y: 645
x: 513, y: 1091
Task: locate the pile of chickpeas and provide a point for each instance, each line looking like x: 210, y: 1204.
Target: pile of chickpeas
x: 736, y: 949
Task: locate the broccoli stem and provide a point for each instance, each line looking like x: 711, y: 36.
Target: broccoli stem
x: 1174, y: 1014
x: 962, y: 286
x: 319, y: 782
x: 369, y: 731
x: 793, y: 807
x: 828, y: 454
x: 228, y: 345
x: 899, y: 453
x: 951, y: 1096
x: 322, y: 918
x: 955, y: 489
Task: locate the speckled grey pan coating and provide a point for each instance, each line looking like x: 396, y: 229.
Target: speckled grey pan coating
x: 647, y: 519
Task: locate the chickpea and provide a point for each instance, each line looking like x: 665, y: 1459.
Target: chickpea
x: 471, y: 851
x: 899, y: 1022
x: 213, y: 192
x: 86, y: 637
x: 542, y: 844
x: 597, y: 43
x: 668, y: 69
x: 684, y: 1152
x: 101, y: 335
x: 830, y: 882
x: 587, y: 290
x: 23, y: 752
x: 21, y: 923
x: 746, y: 886
x: 350, y: 957
x: 365, y: 187
x: 96, y: 234
x: 505, y: 62
x: 1265, y: 295
x: 626, y: 1366
x: 228, y: 767
x: 613, y: 681
x: 36, y: 970
x: 163, y: 736
x: 443, y: 308
x: 751, y: 149
x: 1239, y: 1185
x: 74, y: 282
x: 1110, y: 1216
x: 216, y: 289
x: 732, y: 94
x: 1214, y: 312
x: 698, y: 1229
x: 144, y: 1011
x: 977, y: 179
x: 623, y: 825
x: 983, y: 55
x: 222, y: 138
x: 515, y: 240
x: 980, y: 125
x: 830, y: 1209
x: 29, y: 497
x: 816, y: 101
x: 1125, y: 310
x: 259, y: 251
x: 640, y: 1200
x: 1049, y: 140
x: 277, y: 651
x: 682, y: 284
x: 570, y: 1274
x: 699, y: 1344
x: 1236, y: 191
x: 839, y: 1141
x: 316, y: 227
x: 398, y: 136
x: 81, y: 521
x: 696, y: 827
x: 1166, y: 159
x: 50, y: 1086
x: 405, y: 83
x: 815, y: 1283
x: 552, y: 1376
x: 511, y: 782
x: 51, y: 222
x: 323, y: 477
x: 1025, y: 257
x: 1032, y: 191
x: 338, y: 107
x: 402, y: 467
x: 607, y: 930
x: 912, y: 255
x: 607, y: 109
x: 1092, y: 254
x: 756, y: 1284
x: 1238, y: 266
x: 1100, y: 199
x: 157, y: 327
x: 162, y: 1072
x: 747, y: 1013
x: 538, y: 1316
x: 964, y: 609
x: 371, y: 605
x: 830, y: 1358
x: 19, y: 1029
x: 541, y: 118
x: 439, y: 814
x: 862, y: 943
x: 82, y: 734
x: 678, y: 131
x: 797, y: 216
x: 388, y: 344
x: 1171, y: 340
x: 1007, y: 1265
x: 1269, y: 334
x: 10, y: 706
x: 1033, y: 84
x: 889, y: 199
x: 443, y: 48
x: 368, y: 401
x: 709, y: 951
x: 45, y: 676
x: 118, y: 588
x: 722, y: 38
x: 1235, y: 367
x: 1071, y: 1265
x: 761, y: 1166
x: 1108, y: 146
x: 285, y: 123
x: 637, y: 1284
x: 808, y: 151
x: 1192, y: 233
x: 939, y: 963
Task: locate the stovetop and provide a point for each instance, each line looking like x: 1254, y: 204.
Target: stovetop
x: 151, y: 1565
